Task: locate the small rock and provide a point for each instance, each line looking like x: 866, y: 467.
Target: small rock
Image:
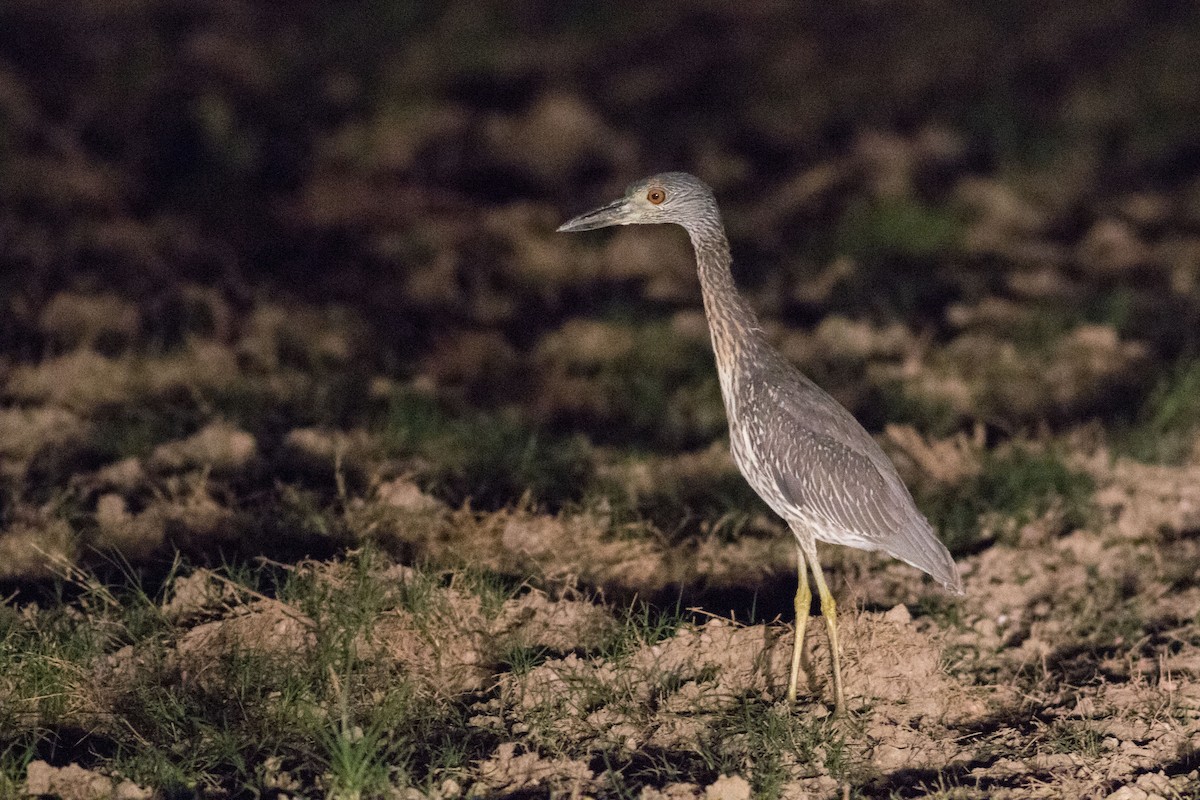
x: 1156, y: 783
x: 898, y: 614
x: 73, y: 782
x: 195, y: 593
x: 1128, y: 793
x: 733, y: 787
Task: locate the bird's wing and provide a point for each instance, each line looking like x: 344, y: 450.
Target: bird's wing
x: 848, y: 490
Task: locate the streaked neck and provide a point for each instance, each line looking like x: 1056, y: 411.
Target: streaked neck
x: 731, y: 320
x: 736, y: 333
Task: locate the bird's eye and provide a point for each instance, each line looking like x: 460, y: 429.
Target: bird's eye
x: 656, y: 196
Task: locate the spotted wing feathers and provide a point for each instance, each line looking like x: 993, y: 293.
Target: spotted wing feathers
x: 852, y: 494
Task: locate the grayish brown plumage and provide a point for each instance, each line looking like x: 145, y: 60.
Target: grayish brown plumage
x: 804, y: 454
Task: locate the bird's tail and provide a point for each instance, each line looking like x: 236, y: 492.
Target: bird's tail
x: 931, y: 556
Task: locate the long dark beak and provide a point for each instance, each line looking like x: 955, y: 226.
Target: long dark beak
x: 611, y: 214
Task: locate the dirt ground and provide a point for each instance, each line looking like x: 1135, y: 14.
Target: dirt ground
x: 1070, y: 668
x: 327, y: 469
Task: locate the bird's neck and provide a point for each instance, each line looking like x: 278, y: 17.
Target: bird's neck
x: 733, y: 325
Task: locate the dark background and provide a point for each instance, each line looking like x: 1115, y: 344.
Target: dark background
x: 333, y: 150
x: 989, y: 177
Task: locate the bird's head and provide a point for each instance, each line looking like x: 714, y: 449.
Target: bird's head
x: 667, y: 197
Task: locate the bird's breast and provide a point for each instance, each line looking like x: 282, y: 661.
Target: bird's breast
x: 748, y: 446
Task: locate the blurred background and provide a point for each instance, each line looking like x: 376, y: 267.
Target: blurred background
x: 960, y: 218
x: 305, y: 408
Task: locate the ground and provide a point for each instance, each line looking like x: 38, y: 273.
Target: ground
x: 591, y: 649
x: 328, y: 469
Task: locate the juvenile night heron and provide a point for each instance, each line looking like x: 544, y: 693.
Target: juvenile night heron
x: 804, y: 454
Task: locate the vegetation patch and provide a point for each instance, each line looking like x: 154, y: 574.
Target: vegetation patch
x: 1167, y: 427
x: 490, y: 460
x: 1017, y: 486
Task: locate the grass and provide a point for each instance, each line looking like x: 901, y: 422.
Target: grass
x: 328, y: 718
x: 248, y: 718
x: 898, y: 245
x: 649, y: 386
x: 1020, y: 485
x: 126, y: 431
x: 41, y: 659
x: 898, y: 227
x: 891, y: 403
x: 641, y: 624
x: 360, y: 761
x: 337, y: 722
x: 1166, y: 427
x: 15, y: 756
x: 319, y: 396
x: 768, y: 743
x: 1066, y: 736
x: 240, y: 175
x: 718, y: 503
x: 664, y: 392
x: 1106, y: 616
x: 491, y: 460
x: 521, y: 660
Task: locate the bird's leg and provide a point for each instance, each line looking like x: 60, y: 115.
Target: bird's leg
x: 803, y: 606
x: 829, y: 611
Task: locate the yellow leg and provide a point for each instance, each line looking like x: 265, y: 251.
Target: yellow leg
x: 803, y: 606
x: 829, y: 611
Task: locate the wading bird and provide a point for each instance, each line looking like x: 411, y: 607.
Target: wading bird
x: 801, y: 451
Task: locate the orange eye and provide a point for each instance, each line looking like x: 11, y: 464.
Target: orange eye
x: 656, y: 196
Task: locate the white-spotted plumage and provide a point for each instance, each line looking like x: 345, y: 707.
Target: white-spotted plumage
x: 800, y: 450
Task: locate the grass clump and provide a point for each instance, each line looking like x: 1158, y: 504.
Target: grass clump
x: 491, y: 460
x: 47, y: 655
x: 891, y: 403
x: 1105, y: 617
x: 135, y: 430
x: 767, y: 743
x: 632, y: 383
x: 1166, y: 428
x: 267, y: 406
x: 42, y: 656
x: 678, y: 503
x: 1019, y: 485
x: 664, y: 391
x: 898, y: 227
x: 1078, y: 738
x: 15, y: 755
x: 258, y: 714
x: 896, y: 244
x: 642, y: 624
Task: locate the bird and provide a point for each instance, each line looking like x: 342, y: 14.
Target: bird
x: 800, y: 450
